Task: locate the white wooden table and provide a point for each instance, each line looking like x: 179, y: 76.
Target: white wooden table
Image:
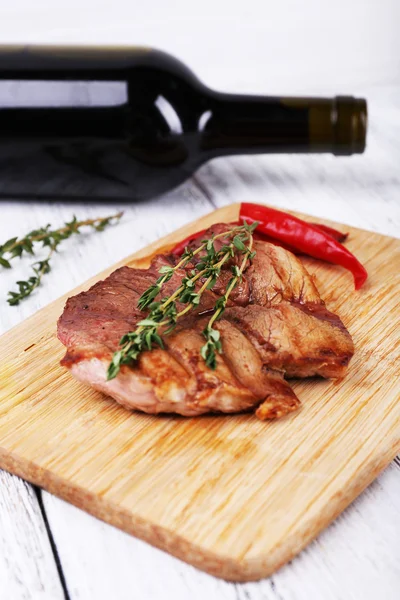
x: 49, y: 549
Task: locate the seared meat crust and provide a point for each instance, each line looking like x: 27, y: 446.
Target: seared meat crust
x: 276, y: 325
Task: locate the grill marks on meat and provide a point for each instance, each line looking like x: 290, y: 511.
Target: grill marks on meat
x: 294, y: 341
x: 276, y: 325
x: 276, y: 275
x: 268, y: 386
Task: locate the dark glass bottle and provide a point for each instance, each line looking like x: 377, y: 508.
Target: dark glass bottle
x: 136, y: 122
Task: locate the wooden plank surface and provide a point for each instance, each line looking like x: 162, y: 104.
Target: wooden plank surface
x: 332, y: 567
x: 214, y: 491
x: 263, y: 49
x: 28, y: 568
x: 361, y: 547
x: 357, y: 557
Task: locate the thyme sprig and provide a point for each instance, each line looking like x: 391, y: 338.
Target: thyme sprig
x: 213, y: 338
x: 25, y: 288
x: 45, y: 237
x: 165, y: 313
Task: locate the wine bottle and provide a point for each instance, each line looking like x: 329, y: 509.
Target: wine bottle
x: 136, y: 122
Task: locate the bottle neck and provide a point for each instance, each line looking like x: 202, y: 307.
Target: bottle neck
x: 252, y: 125
x: 232, y: 124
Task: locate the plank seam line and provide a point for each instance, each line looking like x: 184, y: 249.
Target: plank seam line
x: 53, y: 544
x: 273, y: 588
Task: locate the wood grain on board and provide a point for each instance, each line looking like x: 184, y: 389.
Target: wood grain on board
x: 232, y: 495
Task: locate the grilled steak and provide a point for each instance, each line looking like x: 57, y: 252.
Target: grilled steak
x: 276, y: 325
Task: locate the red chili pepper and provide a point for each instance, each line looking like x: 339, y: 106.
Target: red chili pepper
x: 338, y: 235
x: 295, y: 235
x: 304, y: 237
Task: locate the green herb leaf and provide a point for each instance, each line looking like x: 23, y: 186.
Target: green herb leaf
x: 237, y: 242
x: 166, y: 269
x: 148, y: 323
x: 8, y: 245
x: 5, y: 263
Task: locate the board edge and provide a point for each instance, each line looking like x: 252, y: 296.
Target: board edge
x: 220, y: 566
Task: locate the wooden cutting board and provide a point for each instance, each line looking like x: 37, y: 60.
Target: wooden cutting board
x: 232, y: 495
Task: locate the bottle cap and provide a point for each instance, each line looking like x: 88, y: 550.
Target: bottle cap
x: 337, y: 125
x: 349, y: 120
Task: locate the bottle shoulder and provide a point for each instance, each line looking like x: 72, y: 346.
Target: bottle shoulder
x: 87, y: 62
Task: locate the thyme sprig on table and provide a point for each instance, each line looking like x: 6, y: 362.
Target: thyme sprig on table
x: 49, y: 238
x: 164, y: 313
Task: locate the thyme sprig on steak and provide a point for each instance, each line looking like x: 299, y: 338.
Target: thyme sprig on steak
x: 165, y: 313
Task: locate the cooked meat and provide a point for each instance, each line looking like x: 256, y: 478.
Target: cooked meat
x: 277, y: 275
x: 266, y: 384
x: 290, y: 337
x: 276, y: 325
